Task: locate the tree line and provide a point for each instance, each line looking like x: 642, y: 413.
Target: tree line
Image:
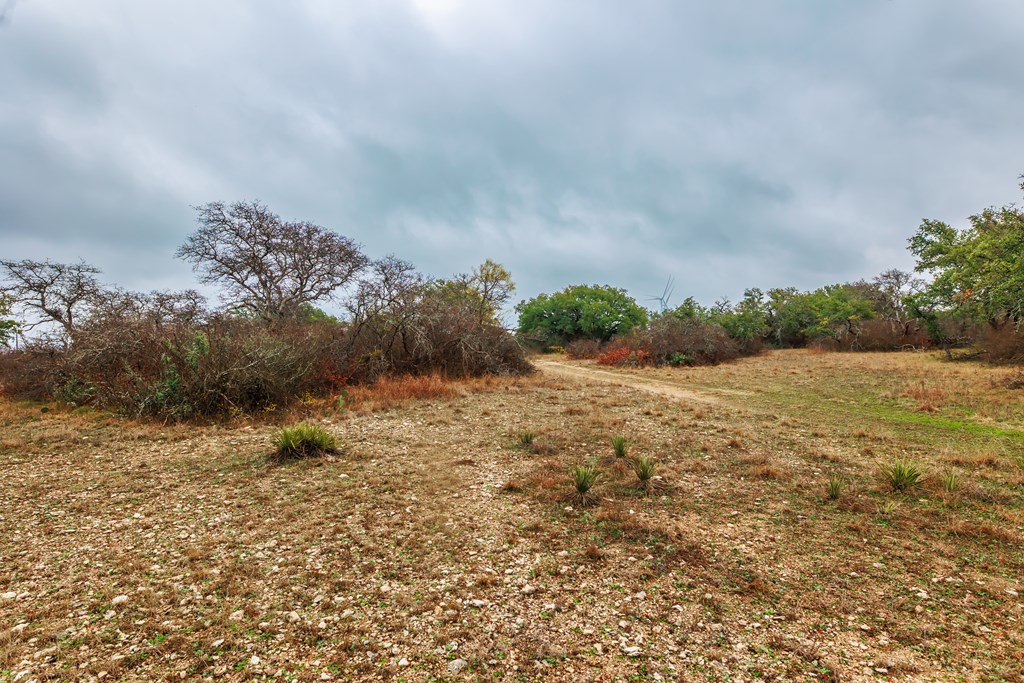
x: 174, y: 354
x: 972, y: 295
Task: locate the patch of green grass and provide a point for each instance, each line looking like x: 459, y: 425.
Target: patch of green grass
x: 619, y: 446
x: 304, y: 441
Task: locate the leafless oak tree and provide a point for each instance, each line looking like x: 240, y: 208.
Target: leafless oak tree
x: 267, y: 266
x: 51, y: 292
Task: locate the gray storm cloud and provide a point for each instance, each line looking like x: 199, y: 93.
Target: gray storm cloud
x: 728, y: 144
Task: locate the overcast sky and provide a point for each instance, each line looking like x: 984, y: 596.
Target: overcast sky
x: 728, y: 144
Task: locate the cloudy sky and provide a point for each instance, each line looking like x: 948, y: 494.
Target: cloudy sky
x: 727, y: 144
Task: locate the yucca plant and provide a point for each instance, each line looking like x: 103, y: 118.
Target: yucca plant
x: 583, y: 479
x: 950, y: 481
x: 901, y: 475
x: 525, y: 440
x: 304, y: 441
x: 836, y: 483
x: 619, y: 446
x: 644, y: 468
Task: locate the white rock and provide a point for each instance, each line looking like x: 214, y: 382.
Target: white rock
x: 9, y: 595
x: 254, y: 660
x: 403, y: 662
x: 457, y: 665
x: 237, y: 615
x: 293, y: 617
x: 631, y: 651
x: 119, y: 600
x: 217, y: 643
x: 527, y: 590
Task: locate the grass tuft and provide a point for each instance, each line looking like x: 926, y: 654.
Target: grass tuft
x: 836, y: 483
x: 901, y: 475
x: 619, y: 446
x: 304, y: 441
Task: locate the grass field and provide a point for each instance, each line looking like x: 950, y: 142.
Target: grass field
x: 442, y: 542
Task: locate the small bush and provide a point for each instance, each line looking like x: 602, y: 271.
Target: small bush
x: 583, y: 479
x: 619, y: 446
x: 616, y: 356
x: 1003, y: 344
x: 902, y: 475
x: 304, y: 441
x: 836, y: 483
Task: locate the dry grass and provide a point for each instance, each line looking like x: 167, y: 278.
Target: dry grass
x: 430, y: 539
x: 396, y: 392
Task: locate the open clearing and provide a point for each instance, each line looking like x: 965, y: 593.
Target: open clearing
x: 440, y: 545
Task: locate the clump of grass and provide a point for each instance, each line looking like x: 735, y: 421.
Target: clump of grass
x: 643, y: 468
x: 583, y: 479
x: 836, y: 484
x: 304, y: 441
x: 902, y: 475
x: 525, y: 440
x: 619, y: 446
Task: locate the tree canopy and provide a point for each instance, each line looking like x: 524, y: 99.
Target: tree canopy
x: 579, y: 312
x: 48, y: 292
x: 977, y: 271
x: 269, y: 267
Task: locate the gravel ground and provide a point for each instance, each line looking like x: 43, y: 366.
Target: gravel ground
x: 439, y: 546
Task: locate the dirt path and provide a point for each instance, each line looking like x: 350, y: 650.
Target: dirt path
x: 654, y: 386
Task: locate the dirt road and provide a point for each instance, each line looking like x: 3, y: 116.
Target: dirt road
x: 621, y: 378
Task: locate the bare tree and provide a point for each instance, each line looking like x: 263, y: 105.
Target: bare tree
x: 269, y: 267
x: 51, y: 292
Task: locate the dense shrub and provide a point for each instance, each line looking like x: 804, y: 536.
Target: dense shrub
x: 583, y: 349
x: 1003, y: 344
x: 669, y: 340
x: 129, y: 360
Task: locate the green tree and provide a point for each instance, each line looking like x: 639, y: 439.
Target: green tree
x: 977, y: 272
x: 690, y: 309
x: 8, y: 327
x: 486, y: 290
x: 747, y: 320
x: 579, y: 312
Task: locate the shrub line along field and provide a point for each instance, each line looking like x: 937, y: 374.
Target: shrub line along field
x: 443, y: 542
